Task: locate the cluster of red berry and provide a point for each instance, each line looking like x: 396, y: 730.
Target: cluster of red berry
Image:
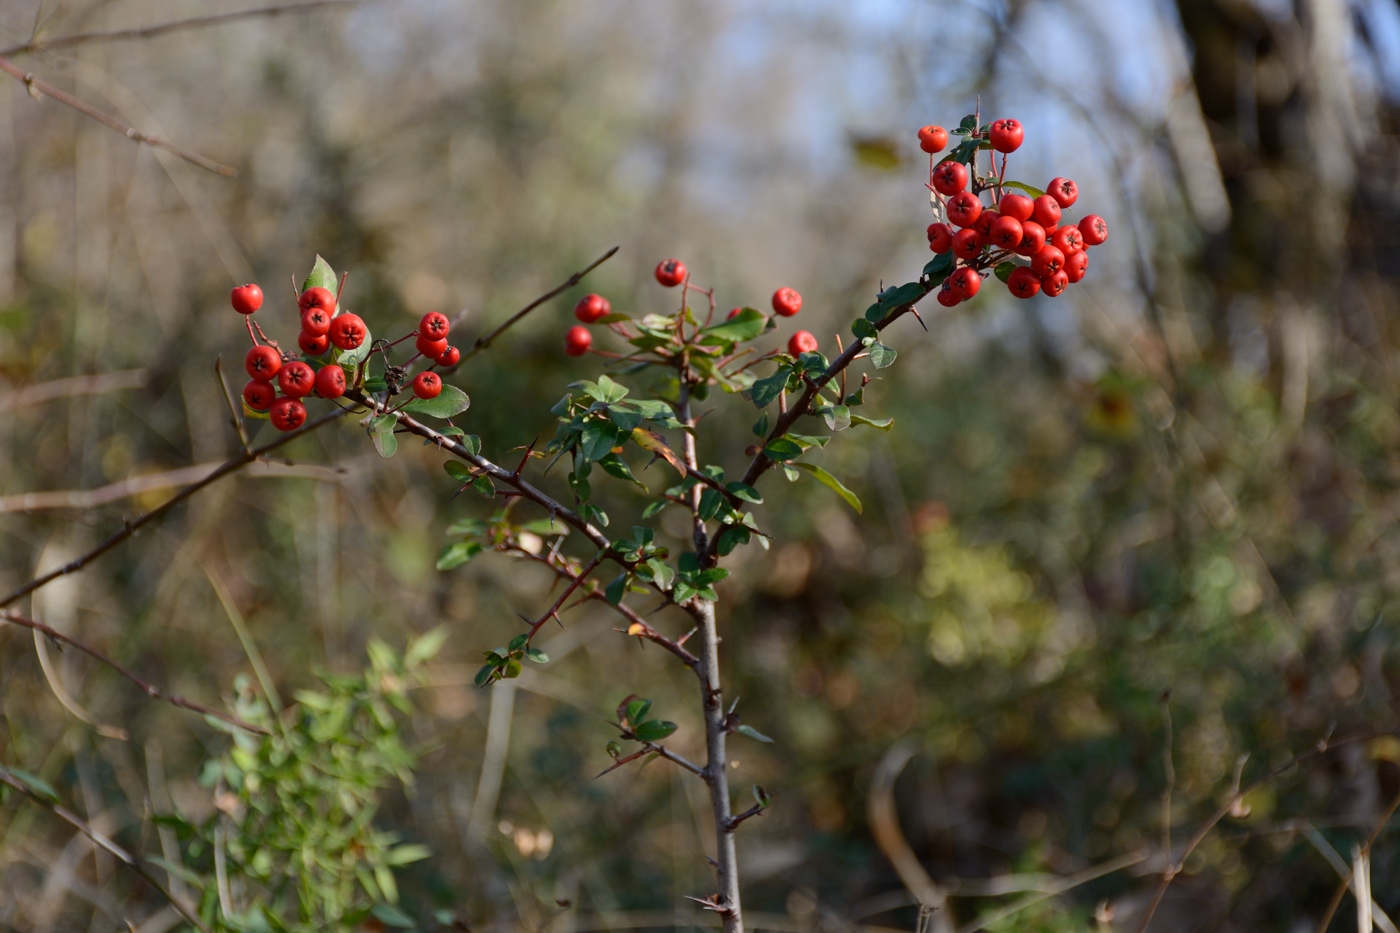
x: 670, y: 273
x: 280, y: 380
x: 982, y: 237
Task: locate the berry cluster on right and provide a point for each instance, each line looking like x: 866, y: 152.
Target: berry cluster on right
x: 1024, y: 235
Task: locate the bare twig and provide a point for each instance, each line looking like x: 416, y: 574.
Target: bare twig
x: 150, y: 32
x: 235, y: 416
x: 1364, y: 853
x: 134, y: 525
x: 151, y: 690
x: 483, y: 342
x: 884, y: 825
x: 99, y: 384
x: 1091, y: 873
x: 101, y: 841
x: 38, y: 89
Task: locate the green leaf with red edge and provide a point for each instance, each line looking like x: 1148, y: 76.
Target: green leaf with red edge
x: 1022, y: 186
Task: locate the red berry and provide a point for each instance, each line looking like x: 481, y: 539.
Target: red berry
x: 1054, y: 285
x: 984, y: 223
x: 287, y: 414
x: 1076, y: 266
x: 427, y: 385
x: 949, y: 178
x: 330, y: 381
x: 669, y: 272
x: 1068, y: 240
x: 1064, y: 191
x: 787, y: 302
x: 1095, y: 230
x: 296, y: 379
x: 964, y: 208
x: 932, y: 139
x: 262, y: 363
x: 967, y: 244
x: 1023, y: 282
x: 1032, y: 238
x: 1007, y: 135
x: 592, y: 307
x: 801, y: 342
x: 246, y: 298
x: 322, y: 298
x: 940, y: 237
x: 733, y: 313
x: 259, y: 395
x: 1047, y: 261
x: 1047, y: 211
x: 1006, y: 233
x: 577, y: 341
x: 348, y: 331
x: 434, y: 325
x: 964, y: 283
x: 947, y: 297
x: 1016, y: 205
x: 430, y: 348
x: 450, y: 357
x: 312, y: 345
x: 316, y: 321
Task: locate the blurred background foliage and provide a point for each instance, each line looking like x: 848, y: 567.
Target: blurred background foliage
x: 1177, y: 483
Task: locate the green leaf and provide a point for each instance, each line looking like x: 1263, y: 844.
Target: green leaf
x: 1004, y: 270
x: 458, y: 471
x: 654, y: 730
x: 744, y: 491
x: 782, y: 448
x: 425, y: 646
x: 383, y: 424
x: 826, y: 479
x: 322, y: 276
x: 512, y: 669
x: 969, y: 123
x: 451, y: 401
x: 614, y: 465
x: 518, y: 642
x: 884, y: 424
x: 682, y: 591
x: 760, y: 427
x: 654, y: 508
x: 753, y: 733
x: 837, y: 417
x: 746, y: 325
x: 905, y: 294
x: 484, y: 675
x: 455, y: 555
x: 391, y: 916
x: 661, y: 572
x: 939, y: 268
x: 385, y: 443
x: 617, y: 588
x: 637, y: 711
x: 536, y: 655
x: 473, y: 444
x: 385, y: 879
x: 731, y: 537
x: 863, y: 328
x: 1022, y: 186
x: 404, y: 855
x: 484, y: 487
x: 765, y: 390
x: 711, y: 501
x: 881, y: 356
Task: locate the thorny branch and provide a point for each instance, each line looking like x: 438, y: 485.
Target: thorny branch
x: 150, y: 689
x: 101, y: 841
x: 134, y: 525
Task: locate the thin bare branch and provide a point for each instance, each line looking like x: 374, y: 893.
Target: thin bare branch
x: 1346, y: 881
x: 483, y: 342
x: 99, y: 384
x: 150, y: 689
x: 123, y: 856
x: 134, y: 525
x: 38, y: 88
x: 150, y: 32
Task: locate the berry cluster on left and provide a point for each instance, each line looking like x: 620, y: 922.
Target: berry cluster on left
x: 335, y: 348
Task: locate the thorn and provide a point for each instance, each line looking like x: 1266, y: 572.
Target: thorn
x: 915, y: 312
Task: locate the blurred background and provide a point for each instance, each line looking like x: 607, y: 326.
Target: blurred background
x: 1175, y: 484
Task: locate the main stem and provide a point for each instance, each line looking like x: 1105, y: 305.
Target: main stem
x: 717, y: 762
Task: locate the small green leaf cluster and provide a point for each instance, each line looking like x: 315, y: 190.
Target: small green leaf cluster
x: 506, y: 663
x: 635, y: 725
x: 292, y: 846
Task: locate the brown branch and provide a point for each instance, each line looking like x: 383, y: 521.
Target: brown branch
x: 38, y: 88
x: 101, y: 841
x: 151, y: 690
x: 150, y: 32
x: 235, y: 416
x: 483, y: 342
x: 134, y: 525
x: 789, y: 416
x: 575, y: 580
x: 1231, y: 804
x: 736, y: 819
x: 99, y: 384
x: 1347, y: 878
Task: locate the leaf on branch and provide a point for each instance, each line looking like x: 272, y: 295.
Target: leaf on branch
x: 1004, y: 270
x: 385, y: 443
x: 649, y: 440
x: 598, y: 439
x: 780, y: 449
x: 1031, y: 190
x: 767, y: 389
x: 322, y: 276
x: 882, y: 356
x: 457, y: 471
x: 884, y: 424
x: 451, y: 401
x: 753, y: 733
x: 746, y: 325
x: 831, y: 482
x: 33, y: 783
x: 455, y: 555
x: 654, y: 730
